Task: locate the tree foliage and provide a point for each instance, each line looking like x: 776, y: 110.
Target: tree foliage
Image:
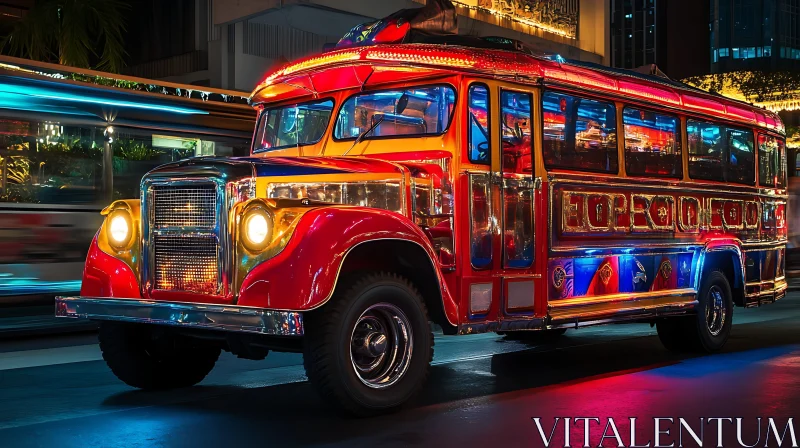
x: 755, y: 86
x: 79, y: 33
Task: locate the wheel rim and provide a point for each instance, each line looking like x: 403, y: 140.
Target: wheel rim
x: 715, y: 311
x: 381, y: 345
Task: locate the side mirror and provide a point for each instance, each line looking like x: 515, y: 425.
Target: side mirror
x: 401, y: 105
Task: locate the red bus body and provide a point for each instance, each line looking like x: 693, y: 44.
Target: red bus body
x: 481, y: 189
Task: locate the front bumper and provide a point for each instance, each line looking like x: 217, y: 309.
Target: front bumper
x: 189, y: 315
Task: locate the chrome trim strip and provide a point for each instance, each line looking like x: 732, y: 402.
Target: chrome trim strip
x: 627, y: 314
x: 186, y: 315
x: 681, y: 186
x: 622, y: 298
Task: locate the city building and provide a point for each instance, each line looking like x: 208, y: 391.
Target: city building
x: 755, y: 35
x: 231, y: 43
x: 755, y: 55
x: 660, y: 32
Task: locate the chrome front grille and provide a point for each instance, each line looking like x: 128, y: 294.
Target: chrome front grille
x: 186, y: 263
x: 184, y: 206
x: 185, y: 236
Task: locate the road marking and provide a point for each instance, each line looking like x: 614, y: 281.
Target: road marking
x: 49, y: 357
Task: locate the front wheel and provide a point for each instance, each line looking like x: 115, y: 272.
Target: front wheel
x: 368, y: 350
x: 154, y: 358
x: 709, y: 329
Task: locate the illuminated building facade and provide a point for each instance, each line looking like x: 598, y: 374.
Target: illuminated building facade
x: 231, y: 43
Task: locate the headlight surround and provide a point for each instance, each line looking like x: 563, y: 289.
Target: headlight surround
x: 256, y: 228
x: 119, y: 229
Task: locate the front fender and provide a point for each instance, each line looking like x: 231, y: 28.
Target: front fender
x: 106, y: 276
x: 303, y: 276
x: 730, y: 245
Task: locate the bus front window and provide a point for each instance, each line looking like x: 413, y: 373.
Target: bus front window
x: 423, y: 111
x: 296, y: 125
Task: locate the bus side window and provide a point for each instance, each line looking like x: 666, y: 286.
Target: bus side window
x: 516, y: 128
x: 479, y: 128
x: 579, y: 134
x: 706, y: 150
x: 771, y: 161
x: 652, y: 144
x: 720, y: 153
x: 741, y: 157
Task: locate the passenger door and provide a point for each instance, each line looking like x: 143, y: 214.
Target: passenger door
x: 517, y: 191
x: 499, y: 280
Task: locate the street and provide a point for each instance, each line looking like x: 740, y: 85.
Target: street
x: 483, y: 390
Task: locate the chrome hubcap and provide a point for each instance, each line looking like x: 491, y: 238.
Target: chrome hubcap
x: 381, y: 345
x: 715, y: 311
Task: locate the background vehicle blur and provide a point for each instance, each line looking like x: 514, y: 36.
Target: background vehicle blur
x: 73, y: 140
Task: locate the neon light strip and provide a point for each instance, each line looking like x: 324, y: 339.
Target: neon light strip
x: 52, y: 94
x: 136, y: 86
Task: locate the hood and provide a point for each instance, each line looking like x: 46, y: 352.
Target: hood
x: 234, y: 168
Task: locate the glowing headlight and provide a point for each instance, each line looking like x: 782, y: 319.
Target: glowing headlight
x: 119, y: 229
x: 257, y: 228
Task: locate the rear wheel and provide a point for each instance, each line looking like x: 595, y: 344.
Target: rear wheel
x: 155, y: 358
x: 709, y: 329
x: 368, y: 350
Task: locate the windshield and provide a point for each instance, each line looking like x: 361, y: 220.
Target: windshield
x: 418, y: 111
x: 296, y: 125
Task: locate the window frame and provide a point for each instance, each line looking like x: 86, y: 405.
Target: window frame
x: 489, y: 122
x: 396, y: 137
x: 679, y: 131
x: 755, y: 154
x: 724, y: 128
x: 548, y: 167
x: 262, y: 114
x: 705, y: 121
x: 530, y: 119
x: 758, y: 161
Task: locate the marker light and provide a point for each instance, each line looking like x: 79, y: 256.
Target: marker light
x: 119, y: 229
x: 256, y: 229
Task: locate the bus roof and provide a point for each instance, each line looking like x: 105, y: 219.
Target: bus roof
x: 354, y: 67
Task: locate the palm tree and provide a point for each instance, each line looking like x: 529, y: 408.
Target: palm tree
x: 71, y: 32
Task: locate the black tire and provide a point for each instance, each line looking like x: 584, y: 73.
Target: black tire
x: 154, y: 358
x: 673, y: 333
x: 535, y: 337
x: 708, y: 329
x: 332, y: 348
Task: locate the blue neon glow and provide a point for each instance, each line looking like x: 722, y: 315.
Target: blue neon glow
x: 31, y: 285
x: 37, y: 105
x: 22, y: 94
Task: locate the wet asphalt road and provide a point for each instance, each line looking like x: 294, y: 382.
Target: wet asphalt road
x: 482, y: 391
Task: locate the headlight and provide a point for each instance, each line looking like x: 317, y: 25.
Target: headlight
x: 256, y: 228
x: 119, y: 229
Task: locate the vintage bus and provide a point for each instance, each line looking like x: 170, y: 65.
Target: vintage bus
x: 467, y: 182
x: 72, y: 141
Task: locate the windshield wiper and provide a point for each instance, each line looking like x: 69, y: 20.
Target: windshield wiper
x: 364, y: 134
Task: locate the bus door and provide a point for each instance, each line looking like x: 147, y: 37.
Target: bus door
x: 499, y: 279
x: 518, y: 188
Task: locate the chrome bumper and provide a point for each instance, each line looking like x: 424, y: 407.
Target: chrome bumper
x: 189, y: 315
